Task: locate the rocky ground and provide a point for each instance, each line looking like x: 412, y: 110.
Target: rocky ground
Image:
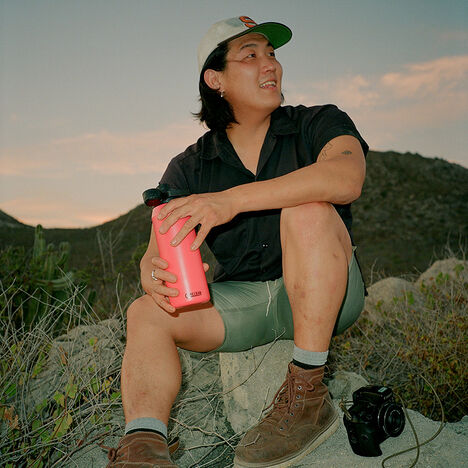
x: 223, y: 395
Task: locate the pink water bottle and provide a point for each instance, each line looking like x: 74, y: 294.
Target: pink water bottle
x: 183, y: 262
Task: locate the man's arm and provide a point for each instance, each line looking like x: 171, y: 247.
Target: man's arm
x: 336, y: 177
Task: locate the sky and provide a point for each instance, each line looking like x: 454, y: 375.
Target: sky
x: 96, y: 96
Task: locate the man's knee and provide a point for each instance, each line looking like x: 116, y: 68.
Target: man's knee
x: 315, y: 215
x: 143, y: 312
x: 312, y: 224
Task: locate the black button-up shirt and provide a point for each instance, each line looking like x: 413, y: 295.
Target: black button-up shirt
x: 248, y: 248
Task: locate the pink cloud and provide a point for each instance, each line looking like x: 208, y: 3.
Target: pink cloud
x: 103, y: 152
x: 424, y: 95
x: 11, y: 165
x: 136, y: 153
x: 351, y: 92
x: 88, y: 179
x: 428, y: 78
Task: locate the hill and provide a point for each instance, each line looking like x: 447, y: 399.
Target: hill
x: 411, y: 209
x: 8, y: 221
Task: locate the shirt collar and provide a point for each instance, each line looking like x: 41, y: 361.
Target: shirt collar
x: 280, y: 124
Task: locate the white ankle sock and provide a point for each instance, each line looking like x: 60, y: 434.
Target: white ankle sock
x: 311, y: 358
x: 152, y: 424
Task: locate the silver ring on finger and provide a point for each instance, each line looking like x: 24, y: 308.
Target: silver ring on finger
x: 154, y: 276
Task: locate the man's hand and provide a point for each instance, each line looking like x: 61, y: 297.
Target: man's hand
x: 207, y: 210
x: 158, y: 283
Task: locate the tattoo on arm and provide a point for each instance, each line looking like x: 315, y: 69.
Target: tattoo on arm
x: 326, y: 152
x: 323, y: 154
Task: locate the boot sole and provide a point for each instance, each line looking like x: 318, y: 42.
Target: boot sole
x: 328, y: 432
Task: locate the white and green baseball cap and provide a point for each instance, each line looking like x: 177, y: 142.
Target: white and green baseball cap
x: 278, y: 34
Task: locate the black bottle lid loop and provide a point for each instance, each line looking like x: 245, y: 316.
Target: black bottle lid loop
x: 162, y: 194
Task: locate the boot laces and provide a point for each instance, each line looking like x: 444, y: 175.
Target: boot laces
x: 285, y: 397
x: 111, y: 452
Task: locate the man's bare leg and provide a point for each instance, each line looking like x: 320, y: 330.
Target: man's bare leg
x: 151, y: 375
x: 316, y: 253
x: 151, y: 372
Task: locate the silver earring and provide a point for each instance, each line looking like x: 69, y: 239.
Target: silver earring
x: 221, y: 94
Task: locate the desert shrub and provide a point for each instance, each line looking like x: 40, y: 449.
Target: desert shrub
x: 412, y: 340
x: 34, y: 280
x: 115, y: 280
x: 40, y: 431
x: 81, y: 407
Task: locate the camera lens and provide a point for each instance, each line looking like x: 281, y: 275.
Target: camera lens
x: 392, y: 420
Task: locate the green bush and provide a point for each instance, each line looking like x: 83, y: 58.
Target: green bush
x: 39, y: 298
x: 35, y: 280
x: 412, y: 342
x: 40, y: 433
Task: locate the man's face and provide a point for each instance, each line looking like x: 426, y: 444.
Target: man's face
x: 252, y: 77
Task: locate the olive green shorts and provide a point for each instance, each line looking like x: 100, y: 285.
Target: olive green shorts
x: 258, y: 312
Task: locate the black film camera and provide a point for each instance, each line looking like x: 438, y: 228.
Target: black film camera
x: 373, y: 417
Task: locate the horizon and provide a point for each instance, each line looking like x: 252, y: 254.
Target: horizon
x: 96, y: 100
x: 141, y: 203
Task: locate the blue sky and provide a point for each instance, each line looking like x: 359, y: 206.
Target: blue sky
x: 96, y: 96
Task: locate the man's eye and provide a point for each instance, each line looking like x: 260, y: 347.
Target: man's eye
x: 272, y: 53
x: 252, y: 55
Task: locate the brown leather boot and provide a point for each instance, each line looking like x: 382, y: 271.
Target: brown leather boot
x: 140, y: 449
x: 302, y: 418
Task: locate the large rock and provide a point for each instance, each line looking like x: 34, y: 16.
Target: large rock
x: 256, y: 369
x: 385, y: 293
x: 221, y: 398
x: 448, y: 449
x: 199, y: 415
x: 197, y: 418
x: 84, y: 353
x: 250, y: 380
x: 455, y: 269
x: 343, y: 384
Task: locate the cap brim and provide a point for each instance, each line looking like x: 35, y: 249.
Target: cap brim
x: 278, y: 34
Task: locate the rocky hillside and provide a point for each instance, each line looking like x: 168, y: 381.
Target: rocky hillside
x: 412, y: 209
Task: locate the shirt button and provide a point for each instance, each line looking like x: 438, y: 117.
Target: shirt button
x: 265, y: 245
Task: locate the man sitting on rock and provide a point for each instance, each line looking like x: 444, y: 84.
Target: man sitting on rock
x: 271, y: 190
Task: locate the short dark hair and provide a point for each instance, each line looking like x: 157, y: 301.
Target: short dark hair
x: 215, y: 111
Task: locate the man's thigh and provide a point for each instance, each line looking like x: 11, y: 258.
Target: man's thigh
x: 197, y: 328
x: 248, y: 310
x: 256, y: 313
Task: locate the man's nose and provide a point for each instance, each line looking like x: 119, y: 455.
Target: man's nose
x: 269, y: 63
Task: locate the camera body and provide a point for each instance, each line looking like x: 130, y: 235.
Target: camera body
x: 373, y: 417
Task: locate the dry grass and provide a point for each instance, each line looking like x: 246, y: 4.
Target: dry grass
x: 41, y: 427
x: 82, y: 405
x: 410, y: 341
x: 78, y: 404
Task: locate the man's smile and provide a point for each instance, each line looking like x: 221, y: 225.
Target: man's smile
x: 268, y: 84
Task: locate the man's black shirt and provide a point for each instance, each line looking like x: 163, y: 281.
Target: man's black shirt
x: 248, y: 248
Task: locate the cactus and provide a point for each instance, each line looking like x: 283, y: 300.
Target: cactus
x: 39, y: 280
x: 32, y: 282
x: 39, y: 243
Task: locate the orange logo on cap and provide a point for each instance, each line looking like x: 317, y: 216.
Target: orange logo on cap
x: 249, y: 22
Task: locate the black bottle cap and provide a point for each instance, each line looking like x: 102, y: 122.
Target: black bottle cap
x: 162, y: 194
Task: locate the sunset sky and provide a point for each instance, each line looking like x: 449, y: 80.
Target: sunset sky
x: 96, y: 95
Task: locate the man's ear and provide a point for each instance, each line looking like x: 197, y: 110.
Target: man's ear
x: 212, y: 79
